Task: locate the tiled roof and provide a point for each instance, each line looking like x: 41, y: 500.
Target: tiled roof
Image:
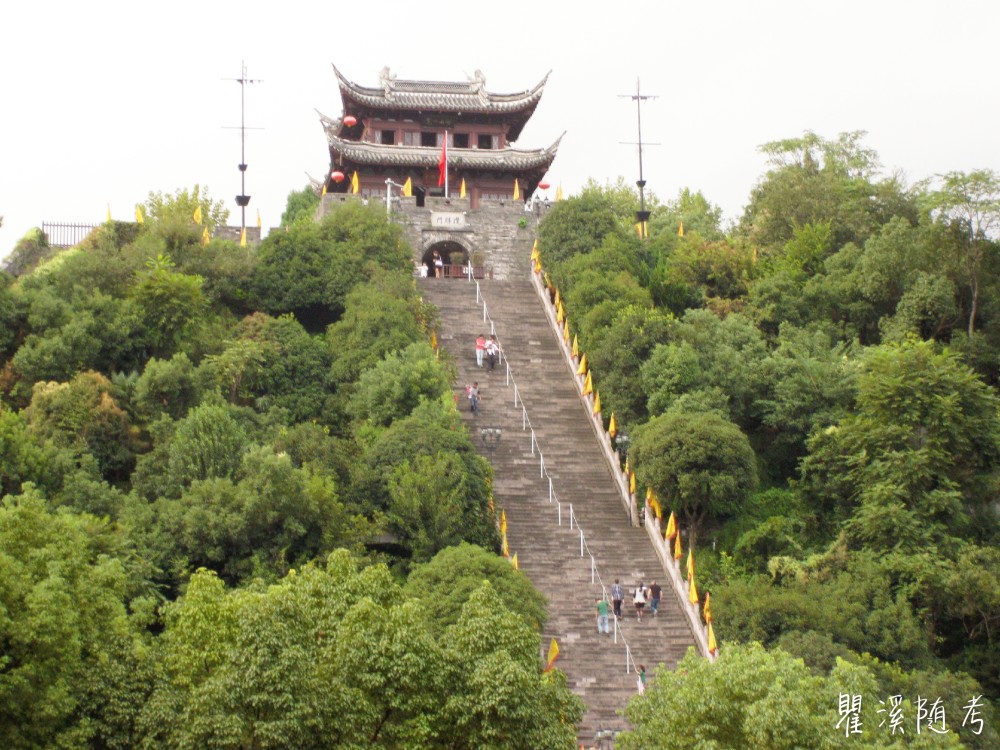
x: 507, y: 159
x: 442, y: 96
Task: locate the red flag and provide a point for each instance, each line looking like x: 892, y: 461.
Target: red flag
x: 443, y: 162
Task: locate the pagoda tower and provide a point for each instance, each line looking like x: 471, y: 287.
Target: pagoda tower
x: 395, y: 131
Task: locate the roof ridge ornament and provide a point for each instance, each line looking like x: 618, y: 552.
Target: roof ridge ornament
x: 387, y: 79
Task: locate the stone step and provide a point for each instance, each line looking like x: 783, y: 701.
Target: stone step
x: 549, y: 552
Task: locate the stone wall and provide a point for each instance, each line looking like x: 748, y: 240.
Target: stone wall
x: 497, y: 234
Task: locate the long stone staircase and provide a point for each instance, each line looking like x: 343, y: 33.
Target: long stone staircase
x: 540, y: 531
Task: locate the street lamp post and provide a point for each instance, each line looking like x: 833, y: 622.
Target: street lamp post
x: 389, y: 185
x: 491, y: 439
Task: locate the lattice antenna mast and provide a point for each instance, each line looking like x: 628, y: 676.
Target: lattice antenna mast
x: 243, y: 200
x: 642, y: 215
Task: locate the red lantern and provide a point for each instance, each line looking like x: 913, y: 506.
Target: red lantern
x: 350, y: 121
x: 337, y: 176
x: 543, y: 185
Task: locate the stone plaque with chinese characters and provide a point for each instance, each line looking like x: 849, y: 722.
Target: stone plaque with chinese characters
x: 441, y: 220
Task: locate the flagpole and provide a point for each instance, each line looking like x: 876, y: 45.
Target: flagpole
x: 446, y: 163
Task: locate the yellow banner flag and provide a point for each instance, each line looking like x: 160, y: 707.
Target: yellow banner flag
x: 576, y: 347
x: 503, y: 522
x: 692, y: 592
x: 713, y: 646
x: 538, y: 266
x: 323, y: 192
x: 566, y: 331
x: 197, y: 215
x: 434, y: 340
x: 671, y: 531
x: 560, y: 313
x: 408, y: 187
x: 461, y: 189
x: 558, y: 300
x: 553, y: 655
x: 503, y: 545
x: 243, y: 237
x: 109, y: 213
x: 612, y: 426
x: 513, y: 561
x: 139, y: 219
x: 597, y: 403
x: 680, y: 230
x: 678, y: 553
x: 534, y: 250
x: 259, y: 225
x: 708, y: 608
x: 588, y: 385
x: 517, y: 190
x: 582, y: 369
x: 355, y: 183
x: 559, y: 193
x: 204, y: 236
x: 690, y: 565
x: 631, y: 482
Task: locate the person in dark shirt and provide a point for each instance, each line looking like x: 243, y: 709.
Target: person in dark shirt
x: 654, y: 597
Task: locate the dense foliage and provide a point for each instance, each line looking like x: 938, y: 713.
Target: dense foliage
x: 218, y: 466
x: 814, y: 391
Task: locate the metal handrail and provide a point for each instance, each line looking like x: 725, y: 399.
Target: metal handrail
x: 630, y: 663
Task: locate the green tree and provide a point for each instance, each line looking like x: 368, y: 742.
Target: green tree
x: 207, y: 443
x: 701, y: 465
x: 751, y: 697
x: 72, y: 670
x: 447, y: 581
x: 970, y: 202
x: 915, y: 461
x: 301, y: 204
x: 394, y: 387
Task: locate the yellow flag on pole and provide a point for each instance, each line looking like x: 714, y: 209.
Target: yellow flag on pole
x: 559, y: 195
x: 692, y: 592
x: 680, y: 230
x: 408, y: 187
x: 517, y: 190
x: 503, y: 545
x: 503, y: 522
x: 259, y: 225
x: 566, y: 331
x: 558, y: 299
x: 197, y: 215
x: 553, y: 655
x: 243, y: 237
x: 690, y: 565
x: 355, y: 183
x: 204, y: 236
x: 534, y: 250
x: 631, y: 482
x: 678, y: 553
x: 582, y: 369
x: 513, y: 561
x: 461, y: 189
x: 588, y: 385
x: 138, y: 214
x: 713, y: 646
x: 323, y: 192
x: 576, y: 347
x: 109, y: 213
x: 612, y: 426
x: 671, y: 531
x: 708, y: 608
x: 597, y: 403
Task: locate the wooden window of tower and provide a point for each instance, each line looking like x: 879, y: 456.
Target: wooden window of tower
x: 428, y: 139
x: 485, y: 140
x: 389, y: 137
x: 460, y: 140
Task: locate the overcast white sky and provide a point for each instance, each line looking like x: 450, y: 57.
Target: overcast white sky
x: 103, y: 102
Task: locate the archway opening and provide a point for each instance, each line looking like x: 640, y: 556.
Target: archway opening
x: 453, y: 260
